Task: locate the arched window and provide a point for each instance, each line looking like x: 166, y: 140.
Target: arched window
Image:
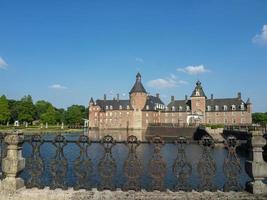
x: 225, y: 108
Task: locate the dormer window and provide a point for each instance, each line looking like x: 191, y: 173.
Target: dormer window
x: 187, y: 108
x: 173, y: 108
x: 209, y: 108
x: 217, y: 108
x: 233, y: 107
x: 180, y: 108
x: 225, y: 108
x: 128, y: 107
x: 147, y: 107
x: 120, y: 107
x: 242, y: 107
x: 110, y: 107
x: 106, y: 107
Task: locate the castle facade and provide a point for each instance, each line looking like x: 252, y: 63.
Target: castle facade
x: 142, y: 109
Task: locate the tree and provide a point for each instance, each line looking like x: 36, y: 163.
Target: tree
x: 26, y: 110
x: 259, y: 118
x: 5, y: 114
x: 75, y: 114
x: 50, y: 116
x: 42, y: 107
x: 13, y: 107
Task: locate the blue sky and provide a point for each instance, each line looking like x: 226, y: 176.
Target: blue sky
x: 67, y: 51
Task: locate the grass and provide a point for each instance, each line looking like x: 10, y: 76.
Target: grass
x: 36, y: 129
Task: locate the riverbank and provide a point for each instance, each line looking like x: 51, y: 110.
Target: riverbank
x: 30, y: 131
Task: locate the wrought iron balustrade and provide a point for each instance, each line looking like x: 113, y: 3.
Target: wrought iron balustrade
x: 62, y: 162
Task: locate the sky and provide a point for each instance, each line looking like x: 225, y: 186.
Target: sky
x: 68, y: 51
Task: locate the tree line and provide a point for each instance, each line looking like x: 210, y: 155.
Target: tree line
x: 259, y: 118
x: 24, y: 110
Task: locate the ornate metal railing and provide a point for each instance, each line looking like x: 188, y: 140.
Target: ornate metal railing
x: 130, y: 165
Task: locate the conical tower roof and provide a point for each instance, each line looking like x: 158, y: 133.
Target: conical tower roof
x: 138, y: 86
x: 198, y: 91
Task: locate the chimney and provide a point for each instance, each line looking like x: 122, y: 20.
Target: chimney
x: 172, y: 98
x: 239, y: 95
x: 186, y: 98
x: 105, y: 97
x: 157, y: 95
x: 118, y: 97
x: 211, y: 96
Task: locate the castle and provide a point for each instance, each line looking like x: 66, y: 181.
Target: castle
x: 142, y: 109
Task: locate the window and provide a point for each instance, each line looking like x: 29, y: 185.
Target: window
x: 147, y: 107
x: 233, y: 107
x: 128, y: 107
x: 106, y: 107
x: 173, y: 108
x: 225, y: 108
x: 209, y: 108
x: 242, y: 107
x: 187, y: 108
x: 217, y: 108
x: 120, y: 107
x: 146, y: 114
x: 180, y: 108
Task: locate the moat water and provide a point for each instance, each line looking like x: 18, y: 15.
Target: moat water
x: 120, y: 152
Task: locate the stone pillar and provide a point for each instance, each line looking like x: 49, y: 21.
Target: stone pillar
x: 257, y: 167
x: 13, y: 163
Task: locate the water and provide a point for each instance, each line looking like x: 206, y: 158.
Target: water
x: 120, y: 152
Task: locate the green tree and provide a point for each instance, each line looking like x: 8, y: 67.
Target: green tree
x: 42, y: 107
x: 26, y: 110
x: 259, y: 118
x: 13, y: 107
x: 5, y: 114
x: 50, y: 116
x: 75, y: 114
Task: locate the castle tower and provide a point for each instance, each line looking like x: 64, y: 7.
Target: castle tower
x: 138, y: 97
x: 138, y: 94
x: 198, y: 101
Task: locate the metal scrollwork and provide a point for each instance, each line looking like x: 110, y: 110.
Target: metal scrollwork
x: 107, y: 165
x: 182, y: 168
x: 35, y: 164
x: 157, y: 166
x: 83, y: 166
x: 59, y: 164
x: 132, y: 165
x: 207, y: 165
x: 231, y: 166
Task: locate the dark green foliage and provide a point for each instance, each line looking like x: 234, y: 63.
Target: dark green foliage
x: 75, y: 114
x: 259, y: 118
x: 5, y: 114
x: 25, y: 110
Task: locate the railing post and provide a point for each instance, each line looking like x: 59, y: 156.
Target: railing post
x: 257, y: 167
x: 13, y: 163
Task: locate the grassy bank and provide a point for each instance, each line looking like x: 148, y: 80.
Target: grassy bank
x: 38, y: 130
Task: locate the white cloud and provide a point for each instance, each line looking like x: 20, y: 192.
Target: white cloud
x: 140, y: 60
x: 58, y: 87
x: 194, y: 70
x: 261, y: 38
x: 169, y: 82
x: 3, y: 64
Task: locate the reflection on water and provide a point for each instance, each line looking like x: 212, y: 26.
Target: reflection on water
x: 118, y: 135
